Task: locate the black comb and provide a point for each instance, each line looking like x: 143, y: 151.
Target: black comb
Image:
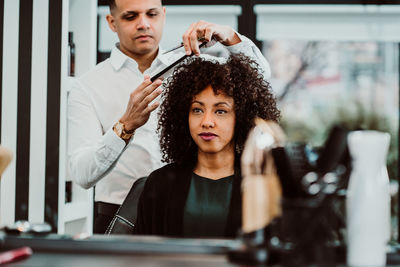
x: 173, y: 64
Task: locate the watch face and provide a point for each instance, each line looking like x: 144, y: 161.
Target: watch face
x: 119, y: 127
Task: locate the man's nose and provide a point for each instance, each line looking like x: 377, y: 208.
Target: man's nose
x: 143, y: 22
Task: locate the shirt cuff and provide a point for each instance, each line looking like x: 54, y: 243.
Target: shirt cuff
x: 245, y: 46
x: 249, y: 49
x: 113, y: 142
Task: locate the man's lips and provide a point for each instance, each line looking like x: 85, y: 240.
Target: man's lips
x: 207, y: 136
x: 143, y: 37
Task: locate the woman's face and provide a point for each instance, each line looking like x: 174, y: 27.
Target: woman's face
x: 212, y: 122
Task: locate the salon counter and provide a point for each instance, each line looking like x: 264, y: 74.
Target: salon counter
x: 99, y: 251
x: 43, y: 259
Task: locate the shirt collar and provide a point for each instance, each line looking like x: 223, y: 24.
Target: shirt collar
x: 119, y: 59
x: 165, y: 59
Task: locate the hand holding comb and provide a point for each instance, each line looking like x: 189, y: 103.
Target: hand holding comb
x: 173, y: 64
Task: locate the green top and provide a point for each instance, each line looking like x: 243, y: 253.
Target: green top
x: 207, y: 206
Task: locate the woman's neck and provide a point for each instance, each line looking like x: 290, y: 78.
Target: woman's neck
x: 215, y: 166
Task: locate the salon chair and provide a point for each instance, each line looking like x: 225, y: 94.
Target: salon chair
x: 125, y: 218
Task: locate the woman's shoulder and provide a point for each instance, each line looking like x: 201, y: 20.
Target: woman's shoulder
x: 171, y: 167
x: 167, y: 173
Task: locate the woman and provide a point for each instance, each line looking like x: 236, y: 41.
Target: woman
x: 207, y: 111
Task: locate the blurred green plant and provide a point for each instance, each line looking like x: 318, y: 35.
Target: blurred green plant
x: 351, y: 115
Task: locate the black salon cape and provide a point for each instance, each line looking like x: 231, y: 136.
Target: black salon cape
x: 162, y: 203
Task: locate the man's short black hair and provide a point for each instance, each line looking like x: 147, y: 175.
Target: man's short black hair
x: 111, y: 4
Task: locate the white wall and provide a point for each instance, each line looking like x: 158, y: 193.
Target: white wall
x: 9, y: 107
x: 38, y: 108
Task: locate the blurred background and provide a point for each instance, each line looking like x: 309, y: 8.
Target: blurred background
x: 333, y: 62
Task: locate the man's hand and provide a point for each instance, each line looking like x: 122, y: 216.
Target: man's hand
x: 205, y: 30
x: 138, y: 111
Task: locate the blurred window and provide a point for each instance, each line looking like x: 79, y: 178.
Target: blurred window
x: 328, y: 57
x: 335, y: 64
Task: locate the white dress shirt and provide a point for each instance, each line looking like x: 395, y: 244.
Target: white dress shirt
x: 97, y: 100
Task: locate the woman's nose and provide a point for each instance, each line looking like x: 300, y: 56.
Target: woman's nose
x: 208, y: 121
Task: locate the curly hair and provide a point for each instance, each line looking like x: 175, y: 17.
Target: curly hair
x: 238, y: 78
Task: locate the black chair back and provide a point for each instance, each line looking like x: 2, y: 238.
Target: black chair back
x: 125, y: 218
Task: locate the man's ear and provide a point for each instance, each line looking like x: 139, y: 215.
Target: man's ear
x: 164, y: 11
x: 111, y: 21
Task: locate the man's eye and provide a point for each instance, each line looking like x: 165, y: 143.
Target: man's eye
x: 130, y: 17
x: 152, y: 14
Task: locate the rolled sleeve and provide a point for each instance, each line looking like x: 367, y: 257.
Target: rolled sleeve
x: 248, y: 48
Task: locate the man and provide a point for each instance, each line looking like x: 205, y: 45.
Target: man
x: 112, y: 138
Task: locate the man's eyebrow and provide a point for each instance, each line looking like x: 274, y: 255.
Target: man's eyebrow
x: 132, y: 12
x: 129, y: 13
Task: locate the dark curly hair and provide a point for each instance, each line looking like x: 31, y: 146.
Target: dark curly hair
x: 238, y: 78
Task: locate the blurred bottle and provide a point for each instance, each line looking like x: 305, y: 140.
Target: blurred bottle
x: 71, y: 54
x: 368, y: 199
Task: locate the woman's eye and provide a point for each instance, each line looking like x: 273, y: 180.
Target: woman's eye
x: 196, y: 110
x: 221, y: 112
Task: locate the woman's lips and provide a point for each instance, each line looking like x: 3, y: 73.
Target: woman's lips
x: 207, y: 136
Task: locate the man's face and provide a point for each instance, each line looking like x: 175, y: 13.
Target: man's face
x: 139, y: 25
